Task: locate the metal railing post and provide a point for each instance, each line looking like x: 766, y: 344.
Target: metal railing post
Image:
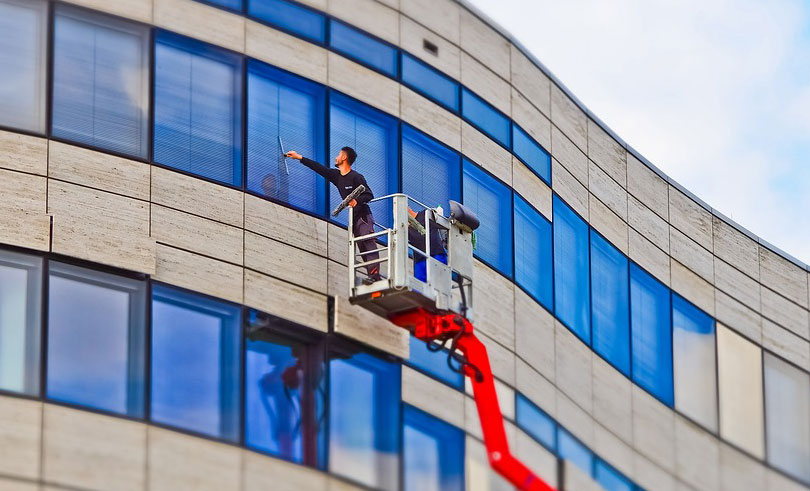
x: 352, y: 274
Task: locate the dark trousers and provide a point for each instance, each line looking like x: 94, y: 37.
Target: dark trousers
x: 364, y: 225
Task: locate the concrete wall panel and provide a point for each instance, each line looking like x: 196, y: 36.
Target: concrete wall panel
x: 690, y: 218
x: 23, y: 153
x: 485, y: 44
x: 574, y: 367
x: 197, y: 234
x: 20, y: 438
x: 610, y: 225
x: 140, y: 10
x: 783, y: 276
x: 485, y: 83
x: 440, y: 16
x: 285, y: 51
x: 648, y: 223
x: 178, y: 461
x: 569, y: 189
x: 530, y: 81
x: 412, y: 37
x: 201, y: 21
x: 286, y: 225
x: 430, y: 118
x: 612, y: 400
x: 196, y: 196
x: 735, y: 248
x: 485, y: 152
x: 364, y: 84
x: 494, y: 305
x: 199, y: 273
x: 647, y: 186
x: 607, y: 153
x: 534, y: 334
x: 433, y: 397
x: 260, y: 472
x: 286, y: 300
x: 98, y: 170
x: 285, y: 262
x: 360, y: 324
x: 569, y: 118
x: 533, y: 122
x: 370, y: 16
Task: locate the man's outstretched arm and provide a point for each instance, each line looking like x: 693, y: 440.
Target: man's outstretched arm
x: 329, y: 174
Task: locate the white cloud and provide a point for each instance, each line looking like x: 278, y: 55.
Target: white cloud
x: 716, y: 94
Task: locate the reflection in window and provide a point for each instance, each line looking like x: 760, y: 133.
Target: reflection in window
x: 533, y: 258
x: 787, y: 412
x: 195, y: 362
x: 364, y: 48
x: 569, y: 448
x: 23, y: 41
x: 291, y: 17
x: 610, y: 298
x: 430, y: 82
x: 694, y: 363
x: 364, y: 404
x: 434, y: 363
x: 285, y: 110
x: 491, y: 200
x: 198, y: 115
x: 101, y: 81
x: 374, y: 136
x: 651, y: 334
x: 535, y: 422
x: 431, y: 172
x: 571, y: 276
x: 20, y: 307
x: 96, y: 339
x: 433, y: 453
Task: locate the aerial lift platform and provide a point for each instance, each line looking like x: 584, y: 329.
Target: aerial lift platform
x: 436, y: 306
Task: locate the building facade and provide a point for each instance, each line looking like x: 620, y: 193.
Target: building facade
x: 173, y: 309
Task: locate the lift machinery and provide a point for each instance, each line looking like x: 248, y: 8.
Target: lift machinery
x: 436, y: 305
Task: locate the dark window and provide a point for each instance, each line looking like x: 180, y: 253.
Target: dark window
x: 198, y: 127
x: 285, y: 110
x: 651, y: 330
x: 535, y: 422
x: 430, y: 82
x: 363, y: 48
x: 486, y: 118
x: 20, y: 318
x: 290, y: 17
x: 533, y: 257
x: 374, y: 136
x: 610, y: 298
x: 491, y: 200
x: 431, y: 172
x: 571, y: 275
x: 434, y: 363
x: 96, y: 338
x: 364, y: 430
x: 531, y: 153
x: 101, y: 81
x: 433, y: 453
x: 195, y: 362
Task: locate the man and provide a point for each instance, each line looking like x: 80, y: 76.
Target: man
x: 418, y: 241
x: 346, y: 180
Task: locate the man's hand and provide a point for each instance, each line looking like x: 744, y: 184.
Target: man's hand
x: 294, y: 155
x: 353, y: 203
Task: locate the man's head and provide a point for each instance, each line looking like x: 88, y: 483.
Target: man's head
x: 346, y: 156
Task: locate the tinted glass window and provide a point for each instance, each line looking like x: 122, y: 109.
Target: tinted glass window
x: 434, y: 363
x: 363, y: 48
x: 198, y: 117
x: 431, y: 172
x: 651, y: 334
x: 694, y: 363
x: 787, y: 413
x: 609, y: 478
x: 486, y: 118
x: 23, y: 41
x: 290, y: 17
x: 230, y: 4
x: 285, y: 111
x: 569, y: 448
x: 374, y: 136
x: 430, y: 82
x: 491, y: 200
x: 433, y: 453
x: 531, y: 153
x: 571, y: 275
x: 535, y: 421
x: 364, y: 420
x: 96, y: 338
x: 195, y: 362
x: 533, y: 258
x: 610, y: 299
x: 20, y: 307
x: 101, y: 82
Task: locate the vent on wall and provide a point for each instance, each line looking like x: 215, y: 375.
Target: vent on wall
x: 430, y: 47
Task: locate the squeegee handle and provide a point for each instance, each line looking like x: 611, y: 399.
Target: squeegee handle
x: 348, y: 199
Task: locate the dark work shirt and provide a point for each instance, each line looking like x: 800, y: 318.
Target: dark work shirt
x: 418, y: 240
x: 345, y: 185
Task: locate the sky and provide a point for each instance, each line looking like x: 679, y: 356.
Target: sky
x: 714, y: 93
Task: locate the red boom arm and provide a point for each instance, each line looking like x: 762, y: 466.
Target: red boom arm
x: 428, y: 327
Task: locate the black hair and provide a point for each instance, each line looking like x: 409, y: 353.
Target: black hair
x: 351, y: 155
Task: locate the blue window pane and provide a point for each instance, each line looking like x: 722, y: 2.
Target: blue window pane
x: 430, y: 82
x: 290, y: 17
x: 533, y: 257
x: 364, y: 420
x: 694, y: 363
x: 274, y: 376
x: 610, y: 297
x: 363, y: 48
x: 434, y: 363
x: 374, y: 136
x: 651, y: 334
x: 531, y: 153
x: 433, y: 453
x: 431, y: 172
x: 198, y: 125
x: 485, y: 117
x: 229, y: 4
x: 23, y: 41
x: 492, y: 202
x: 571, y: 276
x: 195, y: 363
x: 101, y: 82
x: 285, y: 110
x: 535, y: 422
x: 96, y: 338
x: 610, y: 479
x: 569, y: 448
